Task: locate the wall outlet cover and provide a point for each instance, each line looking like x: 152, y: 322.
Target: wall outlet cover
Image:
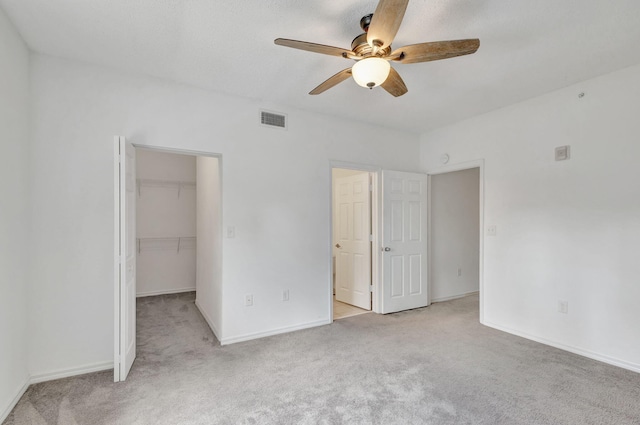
x: 563, y: 306
x: 563, y: 153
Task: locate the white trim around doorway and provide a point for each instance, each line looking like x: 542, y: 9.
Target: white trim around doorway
x: 449, y: 168
x: 117, y: 299
x: 376, y: 226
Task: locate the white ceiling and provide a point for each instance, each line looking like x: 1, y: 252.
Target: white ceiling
x: 527, y: 48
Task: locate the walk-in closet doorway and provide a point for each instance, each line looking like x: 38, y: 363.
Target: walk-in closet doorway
x: 168, y: 238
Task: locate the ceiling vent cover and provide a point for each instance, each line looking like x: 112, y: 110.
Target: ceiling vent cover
x: 273, y: 119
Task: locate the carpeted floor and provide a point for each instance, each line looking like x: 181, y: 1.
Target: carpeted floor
x: 434, y: 365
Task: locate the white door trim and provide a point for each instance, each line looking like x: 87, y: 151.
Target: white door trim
x: 406, y: 190
x: 177, y: 151
x: 116, y: 233
x: 353, y: 257
x: 376, y: 214
x: 124, y: 258
x: 449, y: 168
x: 116, y: 260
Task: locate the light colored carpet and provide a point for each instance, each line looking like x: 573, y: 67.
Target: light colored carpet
x: 433, y: 365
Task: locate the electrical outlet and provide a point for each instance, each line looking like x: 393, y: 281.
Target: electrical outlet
x: 231, y: 232
x: 492, y: 230
x: 285, y: 295
x: 562, y: 153
x: 248, y: 300
x: 459, y: 271
x: 563, y: 306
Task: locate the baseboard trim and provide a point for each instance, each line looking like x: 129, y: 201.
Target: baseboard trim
x: 15, y: 400
x: 52, y: 376
x: 454, y: 297
x: 286, y: 329
x: 634, y: 367
x: 66, y: 373
x: 165, y: 292
x: 207, y: 319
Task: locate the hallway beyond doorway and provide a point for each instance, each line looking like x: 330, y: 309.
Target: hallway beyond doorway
x: 342, y: 310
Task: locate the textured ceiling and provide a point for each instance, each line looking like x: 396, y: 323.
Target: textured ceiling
x: 527, y: 48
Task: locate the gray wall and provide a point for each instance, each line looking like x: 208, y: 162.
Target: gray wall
x: 14, y: 202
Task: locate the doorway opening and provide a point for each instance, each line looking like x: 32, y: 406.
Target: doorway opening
x: 352, y: 242
x: 455, y: 212
x: 168, y: 243
x: 165, y: 223
x: 389, y: 253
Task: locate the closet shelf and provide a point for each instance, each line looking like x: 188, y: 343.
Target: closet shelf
x: 166, y: 244
x: 166, y: 184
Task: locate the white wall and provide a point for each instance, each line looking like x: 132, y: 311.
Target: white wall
x: 14, y: 228
x: 209, y: 228
x: 165, y: 211
x: 455, y: 234
x: 276, y: 188
x: 565, y: 230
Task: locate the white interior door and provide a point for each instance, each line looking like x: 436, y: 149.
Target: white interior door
x: 404, y: 241
x: 125, y: 332
x: 353, y: 245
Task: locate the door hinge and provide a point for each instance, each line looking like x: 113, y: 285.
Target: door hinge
x: 370, y: 238
x: 370, y: 188
x: 370, y: 288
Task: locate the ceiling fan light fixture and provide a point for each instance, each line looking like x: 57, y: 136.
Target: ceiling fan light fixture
x: 371, y: 72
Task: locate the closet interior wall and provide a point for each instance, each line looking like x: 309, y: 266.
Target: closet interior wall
x: 165, y: 223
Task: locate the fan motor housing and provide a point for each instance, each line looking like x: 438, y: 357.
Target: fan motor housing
x: 361, y: 47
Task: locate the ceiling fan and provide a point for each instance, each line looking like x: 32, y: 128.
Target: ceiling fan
x: 372, y: 51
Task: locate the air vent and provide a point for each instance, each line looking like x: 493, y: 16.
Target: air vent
x: 272, y: 119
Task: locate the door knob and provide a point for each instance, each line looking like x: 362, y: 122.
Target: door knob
x: 387, y: 249
x: 338, y: 245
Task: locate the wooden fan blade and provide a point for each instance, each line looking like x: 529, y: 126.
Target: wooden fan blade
x: 335, y: 80
x: 386, y: 22
x: 313, y: 47
x: 425, y: 52
x: 394, y: 84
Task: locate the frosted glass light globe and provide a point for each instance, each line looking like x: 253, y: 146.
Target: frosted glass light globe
x: 371, y: 72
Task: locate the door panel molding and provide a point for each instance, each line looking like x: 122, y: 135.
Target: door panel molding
x: 353, y: 256
x: 404, y: 240
x: 125, y: 258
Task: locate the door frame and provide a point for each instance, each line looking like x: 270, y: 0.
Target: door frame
x: 116, y: 288
x: 376, y: 223
x: 450, y: 168
x: 359, y: 286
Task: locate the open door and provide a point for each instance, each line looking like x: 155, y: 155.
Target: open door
x: 125, y: 251
x: 353, y: 243
x: 404, y: 241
